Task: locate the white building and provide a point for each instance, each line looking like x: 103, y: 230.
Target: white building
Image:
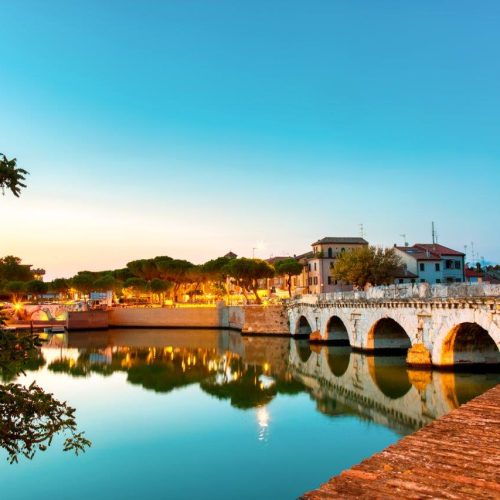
x: 431, y: 263
x: 325, y: 251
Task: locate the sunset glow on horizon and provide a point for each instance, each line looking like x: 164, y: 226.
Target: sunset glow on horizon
x: 192, y: 129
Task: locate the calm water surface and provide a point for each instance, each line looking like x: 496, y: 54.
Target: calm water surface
x: 211, y: 414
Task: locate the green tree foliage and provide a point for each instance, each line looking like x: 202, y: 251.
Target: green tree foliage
x: 11, y: 176
x: 16, y: 289
x: 361, y: 266
x: 36, y: 288
x: 216, y: 271
x: 159, y: 287
x: 105, y: 283
x: 175, y: 270
x: 83, y: 282
x: 30, y: 417
x: 144, y: 268
x: 59, y: 285
x: 288, y: 267
x: 122, y: 274
x: 247, y: 273
x: 11, y: 269
x: 137, y: 286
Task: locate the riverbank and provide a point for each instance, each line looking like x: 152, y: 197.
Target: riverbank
x: 456, y: 456
x: 251, y: 320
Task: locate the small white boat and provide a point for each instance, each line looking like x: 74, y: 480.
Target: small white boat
x: 55, y: 329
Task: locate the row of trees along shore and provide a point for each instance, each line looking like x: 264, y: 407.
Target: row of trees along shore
x: 165, y: 277
x: 159, y: 278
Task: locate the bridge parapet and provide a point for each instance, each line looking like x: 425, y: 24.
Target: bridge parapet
x: 409, y: 291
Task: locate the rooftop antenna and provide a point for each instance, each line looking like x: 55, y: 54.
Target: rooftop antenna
x: 465, y: 252
x: 433, y: 234
x: 404, y: 239
x: 473, y: 257
x: 361, y: 230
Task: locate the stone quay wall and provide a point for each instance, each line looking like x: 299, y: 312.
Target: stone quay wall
x: 87, y: 320
x: 181, y: 317
x: 266, y: 319
x: 248, y: 319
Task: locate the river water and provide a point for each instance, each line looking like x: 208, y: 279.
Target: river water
x: 212, y: 414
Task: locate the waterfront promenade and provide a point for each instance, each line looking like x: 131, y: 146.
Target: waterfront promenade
x: 456, y: 456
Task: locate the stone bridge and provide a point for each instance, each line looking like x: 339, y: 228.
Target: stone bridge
x: 438, y: 325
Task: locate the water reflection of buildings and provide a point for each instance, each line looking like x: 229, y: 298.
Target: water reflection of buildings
x: 250, y: 372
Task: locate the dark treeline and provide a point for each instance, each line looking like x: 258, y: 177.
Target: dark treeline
x: 158, y: 278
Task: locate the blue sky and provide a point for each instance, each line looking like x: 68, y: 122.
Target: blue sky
x: 191, y: 128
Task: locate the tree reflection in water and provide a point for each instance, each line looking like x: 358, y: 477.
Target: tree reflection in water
x: 30, y: 417
x: 250, y: 372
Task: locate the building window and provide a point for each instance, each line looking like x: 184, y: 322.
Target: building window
x: 401, y: 280
x: 458, y: 280
x: 457, y: 264
x: 449, y: 264
x: 413, y: 280
x: 438, y: 267
x: 309, y: 267
x: 438, y: 280
x: 330, y: 253
x: 422, y: 280
x: 315, y: 280
x: 310, y: 281
x: 422, y: 266
x: 329, y: 280
x: 315, y: 266
x: 342, y: 249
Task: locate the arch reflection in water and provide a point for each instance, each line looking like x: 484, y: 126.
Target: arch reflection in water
x: 250, y: 372
x: 303, y: 349
x: 390, y: 375
x: 382, y: 388
x: 338, y: 358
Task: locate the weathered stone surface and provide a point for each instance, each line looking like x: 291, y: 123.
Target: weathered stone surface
x: 418, y: 355
x: 266, y: 320
x: 456, y: 456
x: 87, y: 320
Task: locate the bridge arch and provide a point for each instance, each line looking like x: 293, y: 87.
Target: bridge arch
x: 39, y: 315
x: 469, y: 343
x: 388, y: 335
x: 336, y: 331
x: 303, y: 327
